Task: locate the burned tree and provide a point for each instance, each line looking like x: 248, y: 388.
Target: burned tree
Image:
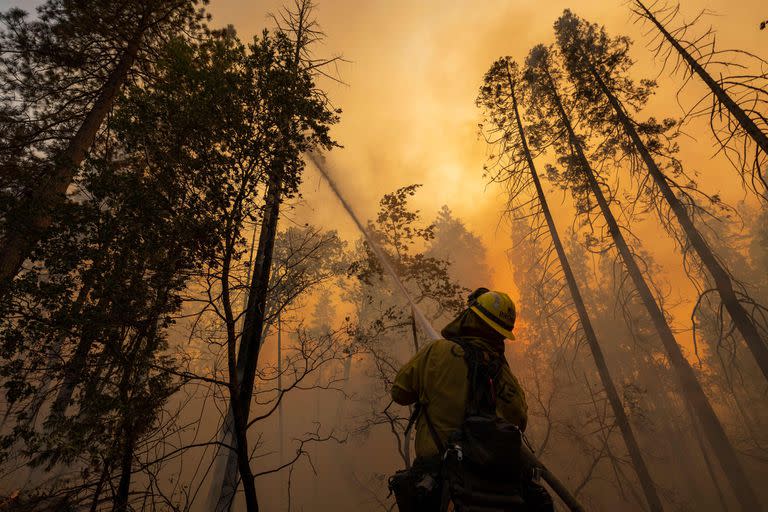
x: 549, y: 106
x: 295, y: 118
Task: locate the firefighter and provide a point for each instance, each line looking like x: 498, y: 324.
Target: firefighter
x: 436, y: 379
x: 436, y: 376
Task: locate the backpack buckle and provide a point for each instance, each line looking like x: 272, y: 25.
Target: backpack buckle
x: 535, y: 474
x: 454, y: 448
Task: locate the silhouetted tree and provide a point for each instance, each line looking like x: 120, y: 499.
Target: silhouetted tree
x: 735, y: 105
x: 295, y: 118
x: 60, y: 76
x: 550, y: 109
x: 735, y: 379
x: 597, y: 66
x: 499, y: 96
x: 455, y: 243
x: 92, y: 323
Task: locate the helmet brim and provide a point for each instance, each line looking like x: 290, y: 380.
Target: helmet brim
x: 495, y: 326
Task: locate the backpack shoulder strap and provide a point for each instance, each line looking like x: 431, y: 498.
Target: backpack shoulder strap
x: 483, y: 371
x: 433, y: 431
x: 418, y: 410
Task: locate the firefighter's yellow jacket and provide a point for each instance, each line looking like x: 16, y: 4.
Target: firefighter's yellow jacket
x: 436, y: 377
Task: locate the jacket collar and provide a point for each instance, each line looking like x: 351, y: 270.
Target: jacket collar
x: 471, y: 328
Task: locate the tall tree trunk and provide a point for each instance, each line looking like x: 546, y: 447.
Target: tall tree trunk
x: 744, y: 323
x: 692, y: 391
x: 746, y: 122
x: 135, y: 372
x: 280, y: 413
x: 646, y: 482
x: 127, y: 436
x: 243, y: 463
x: 253, y: 324
x: 248, y: 353
x: 54, y: 355
x: 680, y: 436
x: 105, y: 475
x: 707, y: 462
x: 126, y: 464
x: 35, y: 215
x: 342, y: 402
x: 73, y: 371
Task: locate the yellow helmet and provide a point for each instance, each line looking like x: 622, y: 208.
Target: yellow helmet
x: 497, y: 310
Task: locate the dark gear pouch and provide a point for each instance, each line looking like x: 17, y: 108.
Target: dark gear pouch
x: 474, y: 481
x: 417, y: 489
x: 492, y: 446
x: 482, y: 467
x: 536, y: 497
x: 402, y: 484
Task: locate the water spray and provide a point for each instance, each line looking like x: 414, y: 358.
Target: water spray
x: 319, y: 162
x: 424, y: 324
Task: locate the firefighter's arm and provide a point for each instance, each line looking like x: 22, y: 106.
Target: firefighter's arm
x: 407, y: 384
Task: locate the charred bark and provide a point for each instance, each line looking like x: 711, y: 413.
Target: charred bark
x: 126, y: 471
x: 248, y: 354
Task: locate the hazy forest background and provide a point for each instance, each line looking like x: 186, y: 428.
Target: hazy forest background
x: 190, y: 321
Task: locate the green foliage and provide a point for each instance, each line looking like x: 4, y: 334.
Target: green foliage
x: 399, y: 232
x: 53, y: 67
x: 168, y: 189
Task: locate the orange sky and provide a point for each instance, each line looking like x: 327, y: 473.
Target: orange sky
x: 409, y: 114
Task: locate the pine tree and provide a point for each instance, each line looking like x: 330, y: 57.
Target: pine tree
x: 549, y: 105
x: 499, y: 96
x: 597, y: 66
x: 736, y: 111
x: 454, y: 242
x: 53, y: 71
x: 146, y: 218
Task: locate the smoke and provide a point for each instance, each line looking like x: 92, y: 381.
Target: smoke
x: 422, y: 321
x: 432, y: 334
